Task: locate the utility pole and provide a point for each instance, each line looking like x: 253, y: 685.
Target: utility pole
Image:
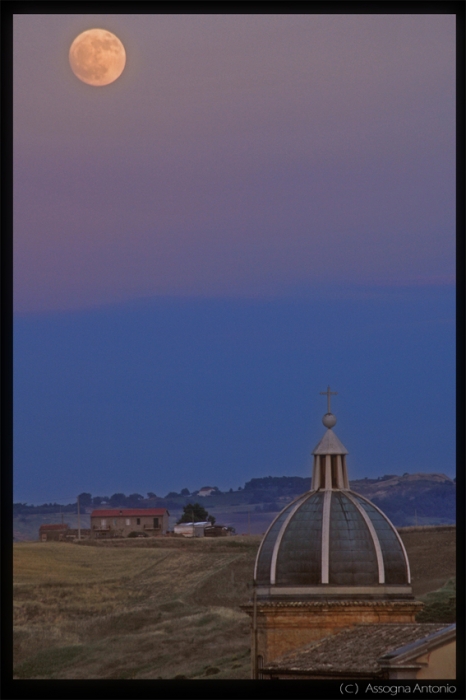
x: 249, y: 521
x: 254, y: 633
x: 79, y: 522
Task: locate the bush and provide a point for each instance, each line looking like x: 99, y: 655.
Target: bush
x: 138, y: 533
x: 440, y: 605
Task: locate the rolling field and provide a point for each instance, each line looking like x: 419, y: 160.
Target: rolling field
x: 161, y: 608
x: 157, y: 609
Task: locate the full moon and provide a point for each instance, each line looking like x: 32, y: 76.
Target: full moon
x: 97, y: 57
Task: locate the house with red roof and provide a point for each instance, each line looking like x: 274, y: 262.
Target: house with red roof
x: 53, y: 532
x: 129, y: 522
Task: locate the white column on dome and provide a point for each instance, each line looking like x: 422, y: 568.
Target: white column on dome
x: 316, y: 474
x: 345, y: 473
x: 328, y: 472
x: 340, y: 482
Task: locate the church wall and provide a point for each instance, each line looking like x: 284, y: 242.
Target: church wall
x: 441, y: 662
x: 282, y: 629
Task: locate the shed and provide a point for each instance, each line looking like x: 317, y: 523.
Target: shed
x: 53, y: 532
x: 217, y: 531
x: 192, y: 529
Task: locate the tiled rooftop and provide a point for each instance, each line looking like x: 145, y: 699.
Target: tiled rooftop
x: 332, y: 603
x: 127, y: 512
x: 54, y: 526
x: 355, y: 650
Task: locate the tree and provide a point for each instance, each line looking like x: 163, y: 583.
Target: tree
x: 97, y: 500
x: 193, y: 512
x: 118, y: 499
x: 151, y: 494
x: 85, y: 499
x: 185, y: 492
x: 211, y: 519
x: 134, y: 498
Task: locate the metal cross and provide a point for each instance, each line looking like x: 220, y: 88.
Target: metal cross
x: 328, y: 393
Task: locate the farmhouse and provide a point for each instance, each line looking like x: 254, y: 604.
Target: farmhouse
x: 123, y: 522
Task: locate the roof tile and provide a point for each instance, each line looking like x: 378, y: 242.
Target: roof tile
x: 357, y: 649
x: 127, y: 512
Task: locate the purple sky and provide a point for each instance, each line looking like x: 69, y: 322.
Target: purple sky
x: 243, y: 156
x: 260, y: 206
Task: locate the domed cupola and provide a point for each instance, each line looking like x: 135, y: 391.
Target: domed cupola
x: 331, y: 541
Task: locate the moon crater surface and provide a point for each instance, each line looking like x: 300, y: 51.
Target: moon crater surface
x: 97, y: 57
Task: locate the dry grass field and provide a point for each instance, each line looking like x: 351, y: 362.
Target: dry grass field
x: 133, y: 609
x: 432, y: 556
x: 161, y: 608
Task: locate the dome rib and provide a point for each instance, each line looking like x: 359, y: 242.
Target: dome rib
x: 353, y: 559
x: 263, y: 544
x: 273, y: 565
x: 325, y: 566
x: 375, y: 539
x: 392, y: 528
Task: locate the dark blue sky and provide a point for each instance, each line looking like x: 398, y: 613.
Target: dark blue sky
x: 259, y: 206
x: 162, y: 395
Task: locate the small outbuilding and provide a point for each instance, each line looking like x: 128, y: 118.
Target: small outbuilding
x: 217, y: 531
x: 53, y: 532
x: 129, y: 522
x: 192, y: 529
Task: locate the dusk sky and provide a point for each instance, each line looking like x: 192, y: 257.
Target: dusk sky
x: 259, y: 206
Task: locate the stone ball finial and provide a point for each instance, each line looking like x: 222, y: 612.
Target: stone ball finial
x: 329, y: 420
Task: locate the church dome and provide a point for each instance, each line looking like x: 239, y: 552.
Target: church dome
x: 331, y: 540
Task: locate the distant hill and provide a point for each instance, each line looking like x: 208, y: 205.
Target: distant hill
x: 410, y: 499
